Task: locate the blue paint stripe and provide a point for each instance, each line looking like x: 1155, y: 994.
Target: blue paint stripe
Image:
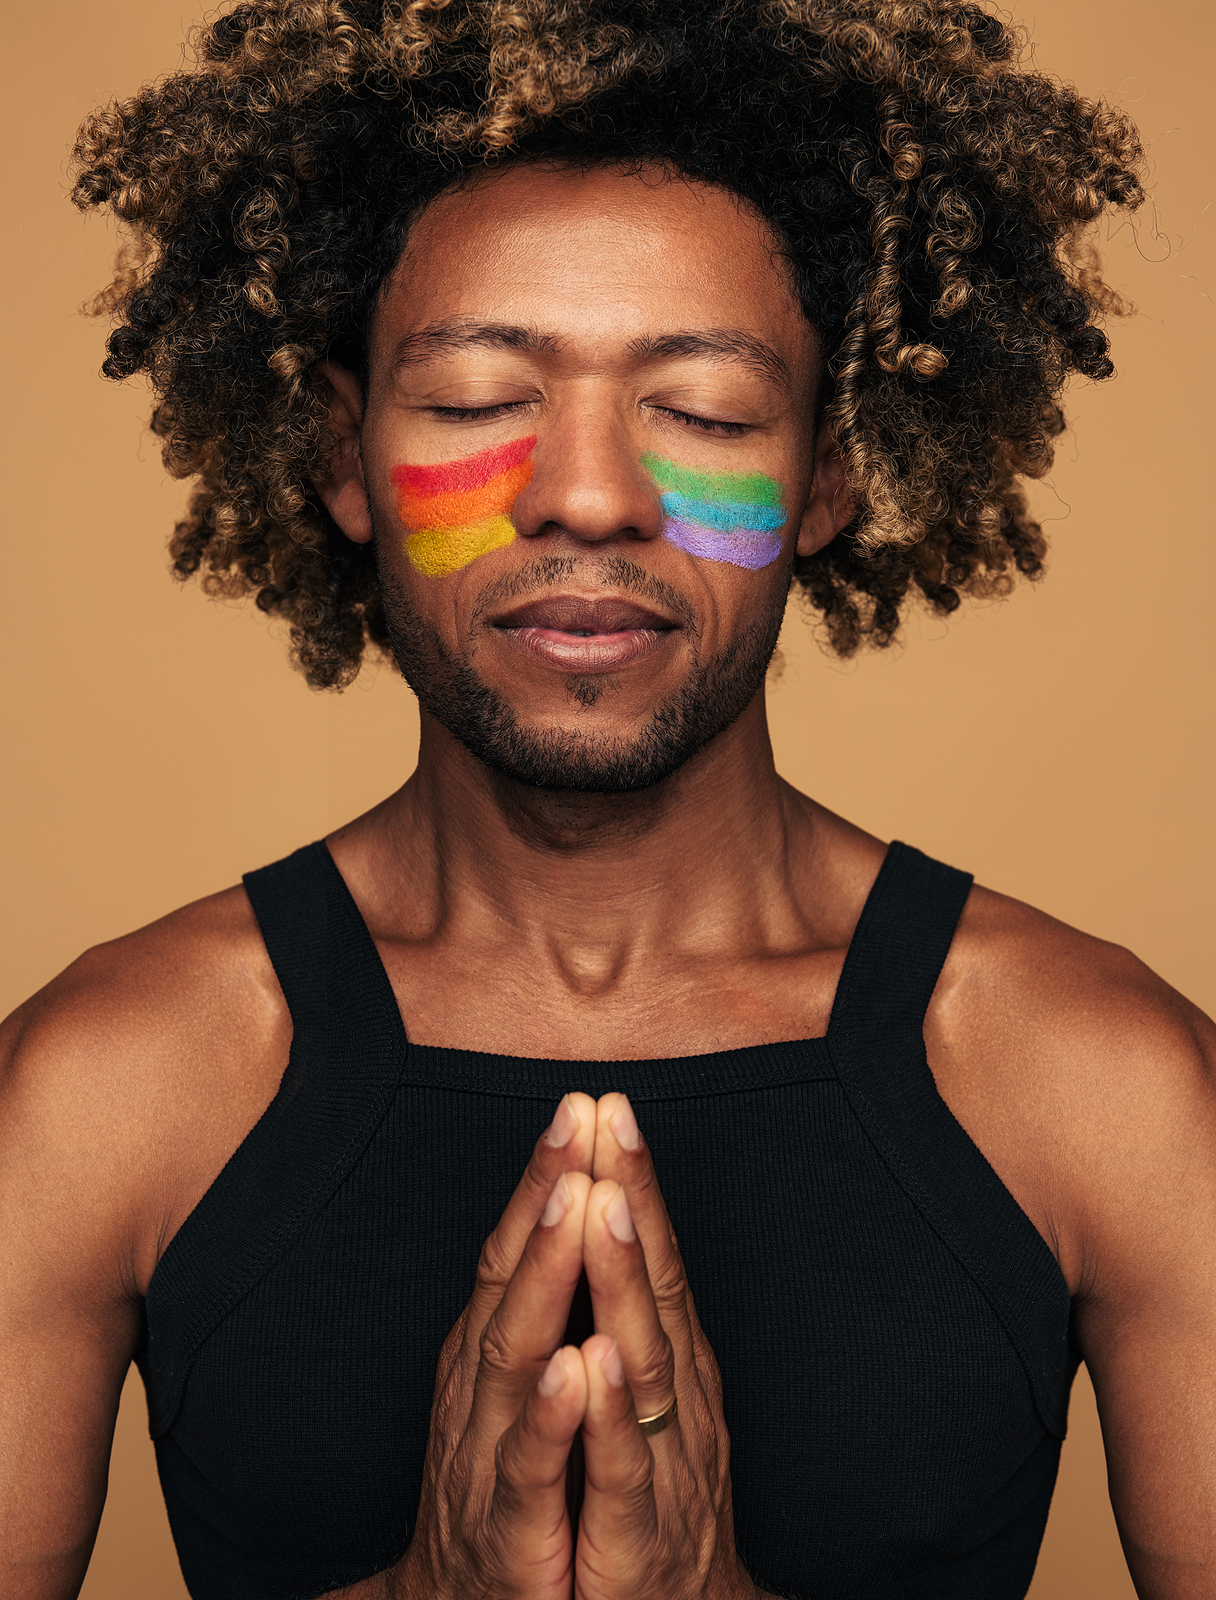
x: 723, y: 514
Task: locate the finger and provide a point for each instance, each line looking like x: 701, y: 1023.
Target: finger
x: 527, y: 1325
x: 623, y: 1300
x: 566, y: 1145
x: 621, y: 1154
x: 530, y: 1458
x: 620, y: 1514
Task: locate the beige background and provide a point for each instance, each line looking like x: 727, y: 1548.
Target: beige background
x: 1059, y: 745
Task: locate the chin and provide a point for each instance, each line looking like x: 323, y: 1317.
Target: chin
x: 576, y: 762
x: 582, y: 759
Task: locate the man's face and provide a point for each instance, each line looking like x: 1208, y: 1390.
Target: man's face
x: 587, y: 449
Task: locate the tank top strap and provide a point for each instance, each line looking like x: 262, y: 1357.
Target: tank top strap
x: 325, y: 959
x: 289, y: 900
x: 876, y: 1041
x: 308, y: 920
x: 899, y: 947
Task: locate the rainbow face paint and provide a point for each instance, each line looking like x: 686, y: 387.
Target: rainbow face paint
x: 723, y: 516
x: 458, y: 510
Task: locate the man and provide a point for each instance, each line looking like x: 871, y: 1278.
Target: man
x: 583, y: 412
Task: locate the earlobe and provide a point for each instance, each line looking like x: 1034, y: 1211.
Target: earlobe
x: 831, y: 506
x: 344, y: 491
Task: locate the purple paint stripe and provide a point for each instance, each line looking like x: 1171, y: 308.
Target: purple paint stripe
x: 742, y: 547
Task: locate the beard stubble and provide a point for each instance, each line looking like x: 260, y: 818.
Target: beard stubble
x: 449, y: 688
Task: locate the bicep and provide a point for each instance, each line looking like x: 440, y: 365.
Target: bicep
x: 1156, y: 1391
x: 68, y: 1328
x: 59, y: 1391
x: 1147, y: 1328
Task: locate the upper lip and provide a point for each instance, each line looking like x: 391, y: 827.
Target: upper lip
x: 573, y: 614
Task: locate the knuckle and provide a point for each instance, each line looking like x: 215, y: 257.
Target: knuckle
x: 711, y: 1375
x: 493, y: 1267
x: 633, y: 1489
x: 670, y: 1286
x: 638, y: 1478
x: 449, y: 1410
x: 452, y: 1383
x: 656, y: 1368
x: 449, y: 1355
x: 498, y: 1356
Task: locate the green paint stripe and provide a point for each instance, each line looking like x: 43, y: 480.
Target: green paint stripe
x: 749, y: 486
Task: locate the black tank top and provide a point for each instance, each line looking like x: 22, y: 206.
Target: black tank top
x: 891, y: 1328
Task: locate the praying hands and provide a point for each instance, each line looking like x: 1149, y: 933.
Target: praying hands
x: 510, y: 1401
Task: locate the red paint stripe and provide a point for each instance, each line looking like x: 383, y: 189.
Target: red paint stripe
x: 464, y: 505
x: 470, y: 473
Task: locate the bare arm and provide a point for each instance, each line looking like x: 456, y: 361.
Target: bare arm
x: 1146, y: 1307
x: 69, y: 1320
x: 1090, y: 1085
x: 124, y: 1087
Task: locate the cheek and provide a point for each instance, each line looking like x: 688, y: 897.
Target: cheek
x: 734, y: 541
x: 455, y: 511
x: 734, y: 517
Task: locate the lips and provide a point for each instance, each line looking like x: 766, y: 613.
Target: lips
x: 573, y: 614
x: 575, y: 634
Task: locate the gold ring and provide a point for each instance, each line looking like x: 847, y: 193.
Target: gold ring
x: 660, y: 1420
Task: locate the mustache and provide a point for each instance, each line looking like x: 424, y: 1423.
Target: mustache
x: 613, y: 572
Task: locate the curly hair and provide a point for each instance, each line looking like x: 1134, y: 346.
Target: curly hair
x: 933, y: 198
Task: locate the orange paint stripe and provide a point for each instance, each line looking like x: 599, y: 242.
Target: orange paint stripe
x: 459, y: 506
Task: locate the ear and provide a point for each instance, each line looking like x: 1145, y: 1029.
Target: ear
x: 831, y: 506
x: 344, y: 492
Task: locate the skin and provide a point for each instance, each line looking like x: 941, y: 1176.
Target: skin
x: 124, y: 1087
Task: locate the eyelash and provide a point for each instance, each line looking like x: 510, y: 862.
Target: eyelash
x: 730, y: 430
x: 474, y: 413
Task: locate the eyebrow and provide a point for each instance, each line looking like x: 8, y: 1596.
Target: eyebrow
x: 715, y: 344
x: 421, y: 346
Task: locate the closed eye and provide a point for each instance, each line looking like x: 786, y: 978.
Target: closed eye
x: 475, y: 413
x: 704, y: 424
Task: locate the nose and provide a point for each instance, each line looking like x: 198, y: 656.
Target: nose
x: 588, y: 486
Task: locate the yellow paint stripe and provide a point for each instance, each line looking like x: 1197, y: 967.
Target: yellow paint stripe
x: 438, y: 551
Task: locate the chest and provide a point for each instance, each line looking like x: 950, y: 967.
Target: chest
x: 495, y: 1001
x: 498, y: 1000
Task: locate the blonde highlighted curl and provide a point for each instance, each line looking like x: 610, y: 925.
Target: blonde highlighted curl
x: 934, y: 201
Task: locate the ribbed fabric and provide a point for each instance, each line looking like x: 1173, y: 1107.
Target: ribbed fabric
x: 892, y: 1330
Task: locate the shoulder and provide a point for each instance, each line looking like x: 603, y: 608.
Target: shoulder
x: 1082, y: 1075
x: 128, y: 1081
x: 1053, y: 994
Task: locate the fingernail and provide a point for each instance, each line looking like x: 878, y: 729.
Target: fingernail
x: 561, y: 1129
x: 558, y: 1203
x: 610, y: 1366
x: 625, y: 1125
x: 617, y: 1216
x: 554, y: 1375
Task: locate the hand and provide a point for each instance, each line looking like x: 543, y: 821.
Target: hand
x: 657, y: 1517
x: 508, y: 1402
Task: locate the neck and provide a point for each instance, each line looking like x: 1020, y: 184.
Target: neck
x: 587, y: 878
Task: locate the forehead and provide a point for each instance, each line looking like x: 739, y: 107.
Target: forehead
x: 600, y: 254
